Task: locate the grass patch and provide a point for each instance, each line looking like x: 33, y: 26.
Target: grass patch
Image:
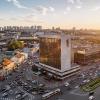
x: 92, y: 85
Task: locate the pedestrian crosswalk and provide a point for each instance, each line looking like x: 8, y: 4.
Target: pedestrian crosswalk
x: 14, y: 99
x: 7, y: 99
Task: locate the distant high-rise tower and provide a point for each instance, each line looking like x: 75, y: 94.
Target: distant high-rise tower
x: 39, y: 27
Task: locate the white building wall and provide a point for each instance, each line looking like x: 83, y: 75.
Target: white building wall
x: 65, y: 53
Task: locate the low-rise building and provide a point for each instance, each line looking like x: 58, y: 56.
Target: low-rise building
x: 83, y: 57
x: 7, y: 66
x: 19, y: 58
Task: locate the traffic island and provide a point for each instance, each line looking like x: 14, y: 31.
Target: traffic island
x: 92, y: 85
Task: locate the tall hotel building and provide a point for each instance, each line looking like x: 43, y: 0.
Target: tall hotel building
x: 55, y: 55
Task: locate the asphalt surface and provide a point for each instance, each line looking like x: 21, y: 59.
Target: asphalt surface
x: 25, y: 73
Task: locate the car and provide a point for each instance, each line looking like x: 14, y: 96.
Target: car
x: 10, y: 91
x: 41, y: 92
x: 86, y: 81
x: 91, y: 97
x: 21, y: 93
x: 66, y: 84
x: 46, y: 91
x: 18, y: 92
x: 19, y: 82
x: 2, y: 89
x: 41, y: 85
x: 25, y: 83
x: 18, y: 96
x: 5, y: 94
x: 21, y: 72
x: 34, y: 93
x: 91, y: 93
x: 2, y: 78
x: 12, y: 85
x: 35, y: 82
x: 24, y: 95
x: 10, y: 74
x: 76, y: 87
x: 7, y: 87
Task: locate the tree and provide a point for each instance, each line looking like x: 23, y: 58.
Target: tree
x: 15, y: 44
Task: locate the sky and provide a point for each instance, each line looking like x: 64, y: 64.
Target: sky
x: 58, y: 13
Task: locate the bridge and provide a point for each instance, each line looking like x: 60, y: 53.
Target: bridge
x: 5, y: 39
x: 28, y: 39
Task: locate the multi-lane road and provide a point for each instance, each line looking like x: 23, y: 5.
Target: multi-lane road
x: 24, y: 74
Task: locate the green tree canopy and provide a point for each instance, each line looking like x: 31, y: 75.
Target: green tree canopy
x: 15, y: 44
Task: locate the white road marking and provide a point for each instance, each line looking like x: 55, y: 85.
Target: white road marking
x: 79, y: 94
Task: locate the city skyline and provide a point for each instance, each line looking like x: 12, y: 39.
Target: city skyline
x: 48, y: 13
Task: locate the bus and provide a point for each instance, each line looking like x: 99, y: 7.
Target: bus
x: 49, y: 94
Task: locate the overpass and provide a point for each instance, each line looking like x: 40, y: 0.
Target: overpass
x: 28, y: 39
x: 5, y: 39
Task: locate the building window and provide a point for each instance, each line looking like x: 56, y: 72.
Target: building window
x: 67, y: 43
x: 50, y: 52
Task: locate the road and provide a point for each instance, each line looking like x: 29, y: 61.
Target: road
x: 25, y: 73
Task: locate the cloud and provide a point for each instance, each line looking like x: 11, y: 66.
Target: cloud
x: 79, y: 2
x: 68, y: 9
x: 96, y: 8
x: 51, y: 9
x: 78, y: 6
x: 65, y: 12
x: 2, y: 19
x: 43, y: 10
x: 75, y: 3
x: 72, y: 4
x: 71, y: 1
x: 29, y: 19
x: 32, y: 19
x: 17, y: 3
x: 38, y: 9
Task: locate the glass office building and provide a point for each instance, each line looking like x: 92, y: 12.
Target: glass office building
x: 55, y: 55
x: 50, y: 52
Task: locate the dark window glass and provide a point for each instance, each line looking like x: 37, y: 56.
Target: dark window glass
x: 67, y: 43
x: 50, y: 52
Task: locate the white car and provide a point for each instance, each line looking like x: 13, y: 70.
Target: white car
x: 76, y: 87
x: 66, y: 84
x: 86, y: 81
x: 4, y: 94
x: 91, y: 97
x: 18, y: 96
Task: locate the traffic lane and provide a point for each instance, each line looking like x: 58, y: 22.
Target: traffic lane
x: 67, y: 96
x: 76, y: 94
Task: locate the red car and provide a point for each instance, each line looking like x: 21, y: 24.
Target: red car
x: 2, y: 78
